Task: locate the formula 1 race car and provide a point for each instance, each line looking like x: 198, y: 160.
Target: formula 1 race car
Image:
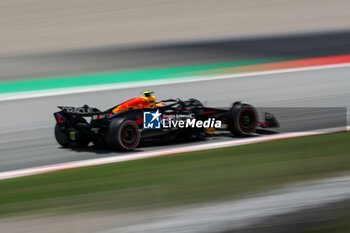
x: 124, y: 126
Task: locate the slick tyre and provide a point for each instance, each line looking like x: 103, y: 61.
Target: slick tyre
x: 70, y: 137
x: 123, y: 135
x: 242, y: 119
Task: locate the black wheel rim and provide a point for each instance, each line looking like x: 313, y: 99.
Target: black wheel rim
x: 129, y: 135
x: 247, y: 120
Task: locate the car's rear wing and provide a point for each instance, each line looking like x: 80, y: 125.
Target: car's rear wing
x: 68, y: 114
x: 82, y: 111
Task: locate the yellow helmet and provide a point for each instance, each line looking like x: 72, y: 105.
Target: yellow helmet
x: 148, y: 96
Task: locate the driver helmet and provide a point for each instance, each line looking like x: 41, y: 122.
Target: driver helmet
x: 149, y: 97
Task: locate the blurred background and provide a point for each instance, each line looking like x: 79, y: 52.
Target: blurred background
x: 33, y: 26
x: 262, y: 188
x: 57, y: 38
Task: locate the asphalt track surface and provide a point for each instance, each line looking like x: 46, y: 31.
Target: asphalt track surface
x: 26, y: 127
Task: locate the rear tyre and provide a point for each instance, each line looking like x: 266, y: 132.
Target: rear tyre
x: 123, y: 135
x: 242, y: 119
x: 70, y: 137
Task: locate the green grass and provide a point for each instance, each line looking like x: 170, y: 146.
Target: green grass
x: 211, y: 175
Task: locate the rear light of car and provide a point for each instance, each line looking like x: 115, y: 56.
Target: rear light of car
x: 60, y: 119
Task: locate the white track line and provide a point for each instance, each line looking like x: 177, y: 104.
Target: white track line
x: 142, y: 155
x: 115, y: 86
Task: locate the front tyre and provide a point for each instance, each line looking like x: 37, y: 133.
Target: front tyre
x: 242, y: 119
x: 123, y: 134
